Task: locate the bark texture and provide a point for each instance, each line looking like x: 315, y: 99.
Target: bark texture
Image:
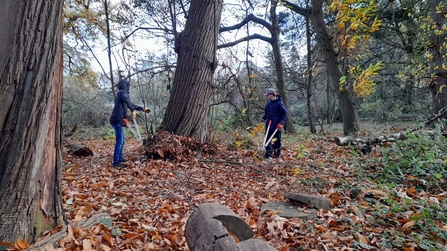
x: 275, y: 31
x: 188, y: 106
x: 437, y: 44
x: 30, y: 118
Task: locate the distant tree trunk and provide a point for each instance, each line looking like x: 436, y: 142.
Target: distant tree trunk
x: 438, y: 83
x: 188, y: 105
x: 109, y: 48
x: 347, y: 107
x: 278, y: 62
x: 30, y: 118
x: 346, y: 103
x: 310, y: 109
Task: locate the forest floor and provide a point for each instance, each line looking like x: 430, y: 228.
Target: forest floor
x: 150, y: 201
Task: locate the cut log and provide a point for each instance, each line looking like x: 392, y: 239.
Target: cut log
x: 316, y: 201
x: 371, y: 140
x: 212, y: 226
x: 76, y: 148
x: 289, y: 209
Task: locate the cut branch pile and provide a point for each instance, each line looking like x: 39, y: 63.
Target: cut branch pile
x: 167, y: 146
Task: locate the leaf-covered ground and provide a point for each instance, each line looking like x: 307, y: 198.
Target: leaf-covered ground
x: 150, y: 201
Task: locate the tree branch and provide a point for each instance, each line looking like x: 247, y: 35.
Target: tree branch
x: 252, y: 18
x: 254, y: 36
x: 302, y: 11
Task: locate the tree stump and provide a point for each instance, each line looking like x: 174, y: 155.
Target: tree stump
x: 212, y: 226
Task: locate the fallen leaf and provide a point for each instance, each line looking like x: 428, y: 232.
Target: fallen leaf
x: 22, y: 244
x: 362, y: 239
x: 409, y: 224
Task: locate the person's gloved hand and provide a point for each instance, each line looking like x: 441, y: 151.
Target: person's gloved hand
x: 279, y: 126
x: 126, y: 122
x: 132, y: 115
x: 146, y: 110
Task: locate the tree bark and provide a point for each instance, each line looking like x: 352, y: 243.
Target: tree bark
x: 275, y: 31
x: 309, y: 85
x: 30, y: 118
x: 188, y: 106
x: 347, y: 106
x: 344, y: 95
x: 437, y: 48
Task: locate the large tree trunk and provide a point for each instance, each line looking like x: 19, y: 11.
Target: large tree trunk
x: 187, y: 109
x: 30, y: 118
x: 347, y: 107
x: 278, y: 62
x: 438, y: 83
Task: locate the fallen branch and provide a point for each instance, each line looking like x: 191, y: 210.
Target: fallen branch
x: 440, y: 114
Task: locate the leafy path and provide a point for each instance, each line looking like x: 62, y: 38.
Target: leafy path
x: 151, y: 200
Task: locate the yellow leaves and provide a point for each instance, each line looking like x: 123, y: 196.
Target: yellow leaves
x: 297, y: 171
x: 355, y: 22
x: 363, y: 79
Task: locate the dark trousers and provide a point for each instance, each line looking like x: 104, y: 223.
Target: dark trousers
x: 273, y: 149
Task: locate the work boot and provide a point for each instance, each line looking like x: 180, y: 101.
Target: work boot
x: 123, y: 160
x: 118, y: 165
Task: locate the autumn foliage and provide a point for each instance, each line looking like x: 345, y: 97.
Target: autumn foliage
x: 150, y: 201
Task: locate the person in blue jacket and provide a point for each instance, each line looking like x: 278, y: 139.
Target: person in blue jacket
x: 119, y: 113
x: 275, y: 111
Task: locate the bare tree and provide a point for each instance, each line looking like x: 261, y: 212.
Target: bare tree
x: 30, y: 118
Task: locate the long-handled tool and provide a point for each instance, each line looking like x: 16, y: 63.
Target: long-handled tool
x: 266, y: 133
x: 138, y: 132
x: 266, y: 143
x: 134, y: 129
x: 264, y: 146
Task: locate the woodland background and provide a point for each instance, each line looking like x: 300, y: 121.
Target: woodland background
x: 390, y: 80
x: 365, y: 69
x: 399, y: 91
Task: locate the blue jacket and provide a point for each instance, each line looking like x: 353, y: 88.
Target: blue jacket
x: 122, y: 103
x: 276, y: 111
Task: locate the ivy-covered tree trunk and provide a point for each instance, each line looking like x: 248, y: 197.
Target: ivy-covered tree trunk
x: 438, y: 50
x: 347, y: 106
x: 30, y: 118
x: 187, y: 110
